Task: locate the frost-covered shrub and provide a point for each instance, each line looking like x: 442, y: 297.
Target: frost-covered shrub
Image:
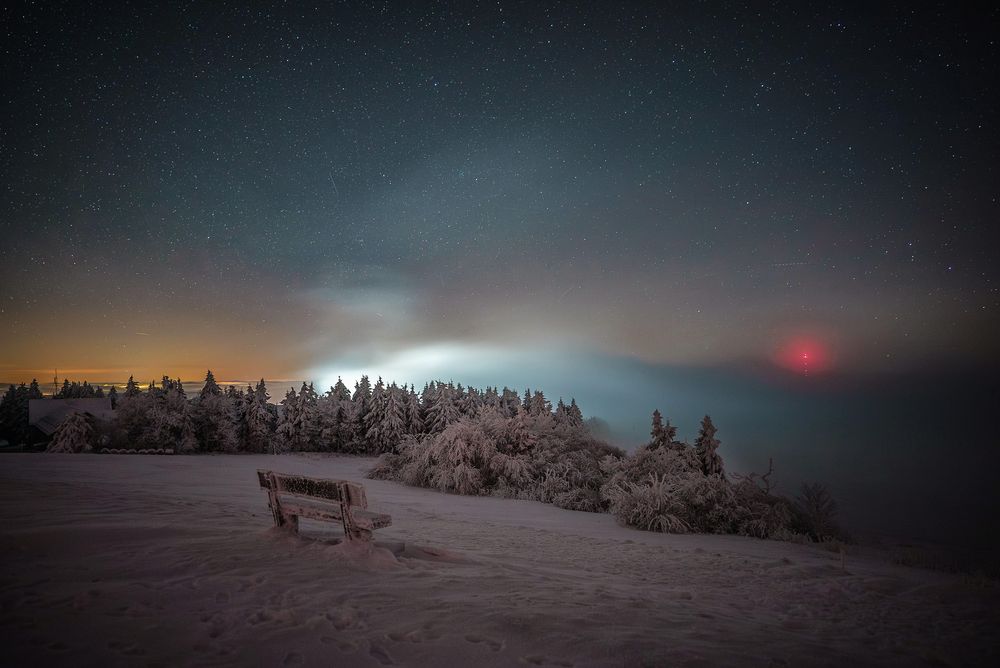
x: 665, y: 486
x: 666, y: 489
x: 491, y: 453
x: 815, y: 513
x: 386, y: 468
x: 652, y: 505
x: 75, y: 434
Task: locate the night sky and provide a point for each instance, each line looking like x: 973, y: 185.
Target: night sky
x: 784, y: 216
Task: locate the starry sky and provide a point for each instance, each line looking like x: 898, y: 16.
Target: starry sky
x: 776, y: 213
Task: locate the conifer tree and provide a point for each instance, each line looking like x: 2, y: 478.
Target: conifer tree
x: 539, y: 405
x: 374, y: 416
x: 211, y: 387
x: 14, y: 414
x: 256, y: 419
x: 560, y: 412
x: 362, y: 390
x: 414, y: 420
x: 393, y: 426
x: 307, y: 425
x: 340, y: 391
x: 574, y: 413
x: 705, y: 446
x: 509, y: 402
x: 442, y: 411
x: 286, y: 422
x: 215, y: 422
x: 131, y: 387
x: 657, y: 435
x: 174, y: 417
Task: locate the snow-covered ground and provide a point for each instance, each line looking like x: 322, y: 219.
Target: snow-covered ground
x: 144, y: 560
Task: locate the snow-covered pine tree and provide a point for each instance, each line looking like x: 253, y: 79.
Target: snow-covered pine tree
x: 574, y: 413
x: 539, y: 405
x: 427, y: 398
x: 211, y: 387
x: 257, y: 420
x: 442, y: 411
x: 491, y: 399
x: 658, y: 438
x: 560, y: 413
x: 705, y: 446
x: 131, y: 388
x: 33, y: 390
x: 414, y: 420
x: 374, y: 416
x: 470, y: 402
x: 75, y: 434
x: 286, y: 423
x: 307, y: 425
x: 214, y: 419
x: 362, y: 390
x: 176, y: 420
x: 329, y: 434
x: 663, y: 434
x: 342, y: 420
x: 340, y: 391
x: 509, y: 402
x: 113, y: 396
x: 260, y: 392
x: 215, y: 423
x: 393, y: 420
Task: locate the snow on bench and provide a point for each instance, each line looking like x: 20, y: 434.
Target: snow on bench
x: 294, y: 496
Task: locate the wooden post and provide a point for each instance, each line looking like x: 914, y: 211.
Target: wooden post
x: 345, y: 511
x: 280, y: 518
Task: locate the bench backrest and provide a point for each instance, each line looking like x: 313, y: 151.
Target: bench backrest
x: 342, y: 491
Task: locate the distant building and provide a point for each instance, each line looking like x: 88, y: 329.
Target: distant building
x: 45, y: 415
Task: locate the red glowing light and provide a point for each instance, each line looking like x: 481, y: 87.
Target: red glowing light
x: 804, y: 354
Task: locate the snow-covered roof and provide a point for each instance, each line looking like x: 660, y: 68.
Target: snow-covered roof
x: 47, y: 414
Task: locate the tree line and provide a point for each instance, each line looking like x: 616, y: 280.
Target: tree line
x: 373, y: 419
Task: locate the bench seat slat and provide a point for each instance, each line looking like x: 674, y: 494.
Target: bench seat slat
x: 371, y: 521
x: 329, y: 513
x: 314, y: 487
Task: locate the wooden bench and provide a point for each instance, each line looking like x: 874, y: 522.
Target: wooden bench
x: 294, y: 496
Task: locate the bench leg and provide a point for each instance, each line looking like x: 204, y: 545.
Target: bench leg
x: 290, y: 522
x: 360, y: 534
x: 351, y: 530
x: 281, y: 519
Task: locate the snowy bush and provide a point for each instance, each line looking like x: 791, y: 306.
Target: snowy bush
x: 673, y: 487
x: 491, y: 453
x: 651, y: 505
x: 75, y: 434
x: 815, y: 513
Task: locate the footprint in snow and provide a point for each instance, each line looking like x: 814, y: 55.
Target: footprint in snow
x: 381, y: 655
x: 495, y: 645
